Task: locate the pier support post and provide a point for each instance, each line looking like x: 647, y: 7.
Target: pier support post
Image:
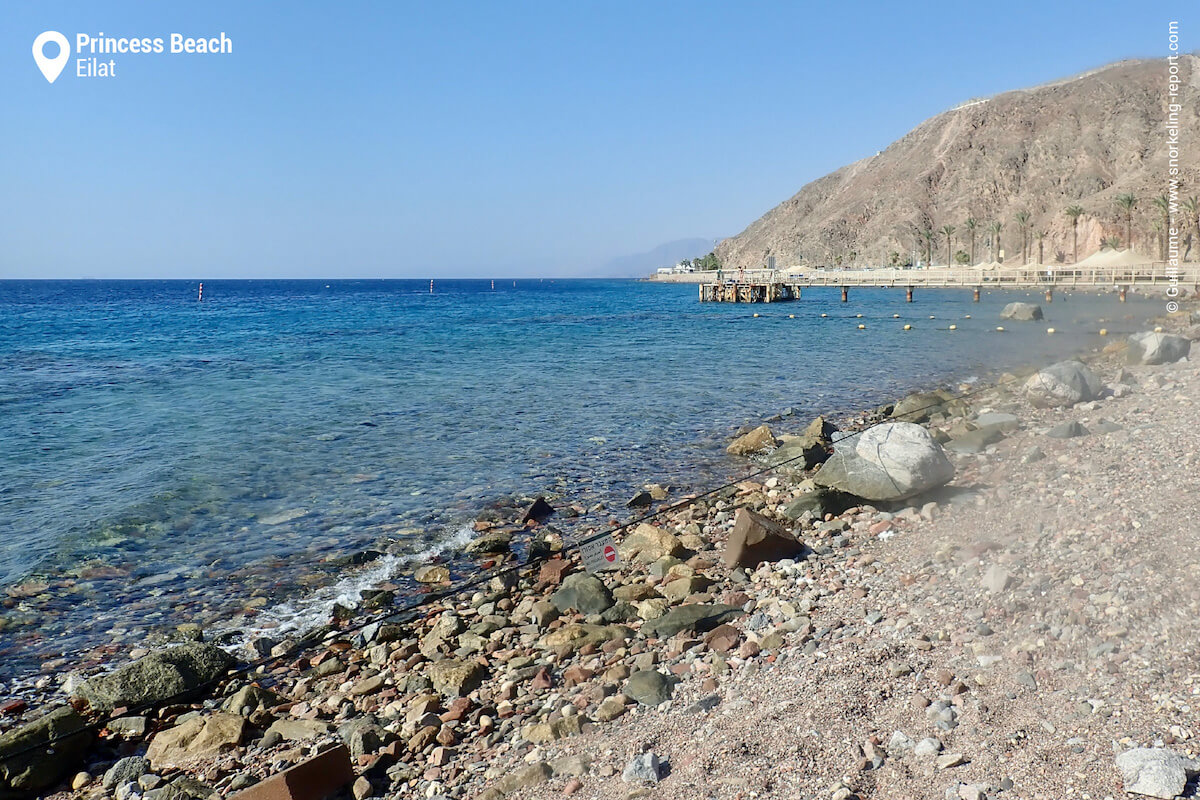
x: 1121, y: 293
x: 976, y: 297
x: 908, y: 294
x: 1049, y: 295
x: 845, y: 295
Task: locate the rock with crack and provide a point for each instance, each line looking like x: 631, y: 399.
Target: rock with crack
x: 1063, y: 384
x: 1152, y: 347
x: 27, y: 765
x: 1155, y: 771
x: 892, y: 461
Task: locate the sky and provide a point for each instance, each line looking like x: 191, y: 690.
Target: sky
x: 481, y: 139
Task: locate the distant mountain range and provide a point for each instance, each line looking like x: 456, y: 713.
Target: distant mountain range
x: 1079, y: 141
x: 665, y: 255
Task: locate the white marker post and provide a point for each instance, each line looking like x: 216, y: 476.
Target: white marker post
x: 51, y: 67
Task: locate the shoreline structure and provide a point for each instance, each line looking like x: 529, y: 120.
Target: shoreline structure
x: 509, y: 688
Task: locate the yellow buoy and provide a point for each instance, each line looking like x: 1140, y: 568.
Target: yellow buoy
x: 858, y: 316
x: 824, y: 315
x: 1158, y: 328
x: 908, y: 327
x: 953, y: 327
x: 1000, y: 328
x: 756, y: 315
x: 1049, y: 330
x: 932, y: 317
x: 895, y: 316
x: 968, y: 316
x: 862, y: 327
x: 1104, y: 331
x: 791, y: 316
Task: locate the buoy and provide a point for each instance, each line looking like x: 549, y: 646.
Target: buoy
x: 824, y: 315
x: 1158, y: 328
x: 1049, y: 330
x: 791, y: 316
x: 908, y: 327
x: 858, y: 316
x: 1000, y: 328
x: 968, y: 316
x: 953, y: 327
x: 862, y: 327
x: 895, y: 316
x: 200, y: 296
x: 1104, y: 331
x: 932, y: 317
x: 756, y: 315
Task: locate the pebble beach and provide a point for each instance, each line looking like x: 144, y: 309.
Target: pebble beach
x: 1026, y: 630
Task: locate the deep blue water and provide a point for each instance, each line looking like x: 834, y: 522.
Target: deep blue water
x: 151, y: 443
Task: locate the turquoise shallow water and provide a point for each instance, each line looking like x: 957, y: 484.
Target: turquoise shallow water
x: 164, y: 460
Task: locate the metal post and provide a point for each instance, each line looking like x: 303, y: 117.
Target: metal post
x: 845, y: 295
x: 908, y: 294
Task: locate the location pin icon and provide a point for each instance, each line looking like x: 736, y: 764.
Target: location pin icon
x: 51, y: 67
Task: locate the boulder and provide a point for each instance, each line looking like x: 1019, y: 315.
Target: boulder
x: 819, y: 503
x: 1155, y: 771
x: 1025, y: 312
x: 798, y: 454
x: 1067, y: 430
x: 887, y: 462
x: 584, y: 592
x: 648, y: 544
x: 1063, y: 384
x: 196, y: 738
x: 577, y: 635
x: 125, y: 770
x: 156, y: 677
x: 1157, y: 348
x: 454, y: 678
x: 919, y: 407
x: 756, y: 539
x: 645, y: 768
x: 649, y: 687
x: 44, y: 766
x: 491, y: 543
x: 700, y: 617
x: 753, y: 442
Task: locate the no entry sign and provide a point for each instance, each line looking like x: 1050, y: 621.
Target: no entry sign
x: 599, y: 554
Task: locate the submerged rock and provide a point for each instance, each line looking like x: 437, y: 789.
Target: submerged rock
x: 753, y: 442
x: 1026, y: 312
x: 887, y: 462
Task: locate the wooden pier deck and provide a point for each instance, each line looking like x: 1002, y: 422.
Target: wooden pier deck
x: 767, y: 286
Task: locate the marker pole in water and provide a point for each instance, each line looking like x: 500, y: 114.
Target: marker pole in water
x: 431, y: 286
x: 200, y: 296
x: 493, y: 284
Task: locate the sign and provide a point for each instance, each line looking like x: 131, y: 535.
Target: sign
x: 600, y: 554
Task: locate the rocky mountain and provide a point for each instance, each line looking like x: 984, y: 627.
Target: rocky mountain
x: 1080, y: 141
x: 665, y: 255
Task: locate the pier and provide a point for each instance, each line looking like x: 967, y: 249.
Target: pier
x: 770, y: 286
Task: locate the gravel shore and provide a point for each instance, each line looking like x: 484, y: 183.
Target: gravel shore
x: 1007, y: 635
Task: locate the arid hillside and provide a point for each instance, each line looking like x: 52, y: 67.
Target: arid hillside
x: 1081, y: 141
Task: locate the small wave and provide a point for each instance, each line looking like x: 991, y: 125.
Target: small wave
x: 303, y: 614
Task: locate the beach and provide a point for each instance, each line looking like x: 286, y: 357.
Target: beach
x: 1011, y: 632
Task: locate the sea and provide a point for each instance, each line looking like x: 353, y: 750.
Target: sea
x: 225, y: 462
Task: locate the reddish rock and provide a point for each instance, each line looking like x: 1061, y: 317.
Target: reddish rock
x: 575, y: 675
x: 723, y: 638
x: 755, y: 539
x: 542, y: 680
x: 314, y: 779
x: 554, y: 570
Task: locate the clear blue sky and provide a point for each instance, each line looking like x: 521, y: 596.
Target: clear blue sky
x: 392, y: 139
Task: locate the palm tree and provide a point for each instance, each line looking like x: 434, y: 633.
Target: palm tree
x: 949, y: 231
x: 1163, y: 204
x: 1040, y: 235
x: 1022, y: 218
x: 994, y: 229
x: 1112, y: 242
x: 971, y: 225
x: 1074, y: 213
x: 1192, y: 206
x: 1126, y: 203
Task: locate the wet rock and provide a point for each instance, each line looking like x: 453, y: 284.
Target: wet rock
x: 647, y: 544
x: 888, y: 462
x: 642, y: 499
x: 538, y: 511
x: 584, y: 592
x: 1024, y: 312
x: 1157, y: 348
x: 649, y: 687
x: 799, y: 454
x: 195, y: 738
x: 755, y: 441
x: 645, y: 768
x: 491, y: 543
x: 435, y: 573
x: 1155, y: 771
x: 156, y: 677
x: 756, y: 539
x: 44, y: 766
x: 1063, y: 384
